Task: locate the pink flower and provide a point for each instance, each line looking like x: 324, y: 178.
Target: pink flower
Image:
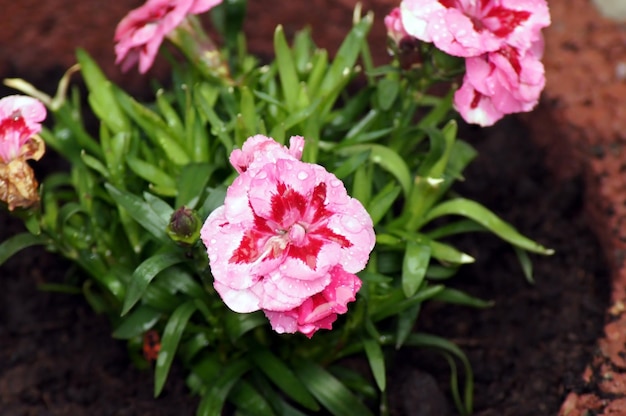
x: 472, y: 27
x: 474, y: 107
x: 320, y: 310
x: 501, y: 82
x: 20, y: 119
x: 259, y: 150
x: 139, y: 35
x: 393, y: 23
x: 283, y: 230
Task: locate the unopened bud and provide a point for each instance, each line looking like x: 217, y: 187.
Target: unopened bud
x: 184, y: 226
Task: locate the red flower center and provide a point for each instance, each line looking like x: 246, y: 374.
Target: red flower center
x: 485, y: 15
x: 297, y: 227
x: 14, y: 130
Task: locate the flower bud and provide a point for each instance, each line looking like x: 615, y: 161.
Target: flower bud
x: 184, y: 226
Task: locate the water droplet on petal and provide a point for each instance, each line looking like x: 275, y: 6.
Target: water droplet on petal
x: 302, y: 175
x: 351, y: 224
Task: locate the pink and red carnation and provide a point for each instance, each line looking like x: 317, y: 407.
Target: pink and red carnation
x: 20, y: 119
x: 140, y: 33
x: 288, y: 239
x: 502, y: 43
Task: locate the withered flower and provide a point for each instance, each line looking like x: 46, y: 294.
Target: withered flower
x: 20, y: 121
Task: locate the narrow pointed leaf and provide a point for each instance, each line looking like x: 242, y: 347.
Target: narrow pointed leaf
x: 489, y: 220
x: 172, y: 334
x: 458, y: 297
x: 281, y: 375
x: 376, y: 359
x: 286, y: 68
x: 139, y: 321
x: 141, y: 212
x: 414, y: 266
x: 527, y: 265
x: 329, y: 391
x: 144, y: 274
x: 213, y: 401
x: 19, y: 242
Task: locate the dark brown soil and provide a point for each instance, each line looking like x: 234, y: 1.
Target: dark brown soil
x: 57, y: 356
x: 529, y: 350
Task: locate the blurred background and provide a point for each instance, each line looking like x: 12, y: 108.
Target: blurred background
x: 38, y: 38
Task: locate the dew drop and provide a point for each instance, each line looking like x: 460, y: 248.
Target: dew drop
x: 351, y: 224
x: 302, y: 175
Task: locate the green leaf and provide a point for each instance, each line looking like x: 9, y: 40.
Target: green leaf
x: 453, y: 228
x: 101, y: 94
x: 248, y: 112
x: 318, y: 69
x: 387, y: 159
x: 395, y: 302
x: 527, y: 265
x: 159, y: 206
x: 406, y: 323
x: 213, y: 401
x: 458, y: 297
x: 329, y: 391
x: 238, y: 324
x: 387, y: 92
x: 276, y: 400
x: 141, y: 212
x: 152, y: 174
x: 414, y: 266
x: 171, y: 116
x: 448, y: 348
x: 95, y: 164
x: 381, y: 203
x: 376, y: 359
x: 362, y: 126
x: 192, y: 346
x: 172, y: 334
x: 286, y: 69
x: 487, y: 219
x: 178, y: 279
x: 362, y: 184
x: 439, y: 112
x: 299, y: 116
x: 348, y: 166
x: 347, y: 55
x: 281, y: 375
x: 144, y: 274
x: 249, y: 401
x: 139, y: 321
x: 192, y: 182
x: 447, y: 253
x: 172, y: 149
x: 19, y: 242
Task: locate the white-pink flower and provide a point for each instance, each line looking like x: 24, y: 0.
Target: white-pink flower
x: 395, y: 28
x: 499, y: 83
x: 320, y: 310
x: 259, y: 150
x: 472, y: 27
x: 20, y: 119
x: 140, y: 33
x: 287, y: 232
